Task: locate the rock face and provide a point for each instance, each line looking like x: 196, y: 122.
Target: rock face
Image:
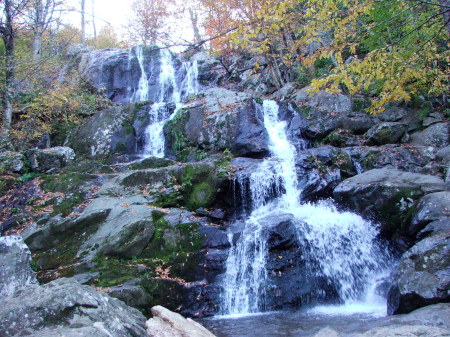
x: 386, y: 193
x: 169, y: 324
x: 15, y: 270
x: 423, y: 276
x: 221, y: 119
x: 64, y: 307
x: 49, y: 159
x: 385, y: 133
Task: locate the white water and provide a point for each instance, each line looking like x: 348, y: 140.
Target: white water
x: 170, y: 90
x: 340, y: 245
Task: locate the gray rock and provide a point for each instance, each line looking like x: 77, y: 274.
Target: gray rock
x: 435, y: 227
x: 105, y: 133
x: 394, y: 114
x: 15, y: 270
x: 324, y: 101
x: 435, y: 135
x: 68, y: 308
x: 444, y: 154
x: 166, y: 323
x: 423, y: 276
x: 432, y: 207
x: 386, y: 194
x: 131, y: 294
x: 11, y: 162
x: 49, y: 159
x: 385, y: 133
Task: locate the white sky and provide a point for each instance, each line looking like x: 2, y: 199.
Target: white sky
x: 116, y: 13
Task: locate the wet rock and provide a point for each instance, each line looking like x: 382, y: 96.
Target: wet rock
x: 214, y: 237
x: 432, y: 207
x: 436, y: 135
x: 166, y: 323
x: 50, y: 159
x: 385, y: 133
x: 252, y: 138
x: 65, y: 307
x: 386, y: 194
x: 321, y: 169
x: 15, y: 270
x: 11, y: 162
x: 423, y: 276
x: 435, y: 227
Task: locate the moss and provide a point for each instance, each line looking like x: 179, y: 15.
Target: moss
x: 337, y: 138
x: 370, y: 160
x: 176, y: 132
x: 202, y: 195
x: 343, y: 162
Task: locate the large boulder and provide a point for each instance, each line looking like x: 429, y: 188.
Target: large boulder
x: 108, y: 226
x: 436, y: 135
x: 166, y: 323
x: 108, y: 131
x: 15, y: 270
x: 49, y: 159
x: 423, y: 276
x: 64, y: 307
x: 386, y: 194
x: 324, y: 101
x: 385, y: 133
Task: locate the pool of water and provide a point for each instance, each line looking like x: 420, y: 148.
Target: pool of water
x: 304, y: 323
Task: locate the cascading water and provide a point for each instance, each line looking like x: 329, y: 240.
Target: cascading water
x: 170, y: 90
x: 340, y: 247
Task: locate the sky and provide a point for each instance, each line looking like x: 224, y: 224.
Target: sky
x: 114, y: 12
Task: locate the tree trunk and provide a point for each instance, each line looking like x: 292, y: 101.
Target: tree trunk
x: 83, y: 21
x: 37, y: 44
x: 8, y: 36
x: 194, y: 20
x: 94, y: 27
x: 445, y: 10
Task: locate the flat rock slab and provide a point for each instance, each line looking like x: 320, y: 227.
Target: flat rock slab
x: 166, y: 323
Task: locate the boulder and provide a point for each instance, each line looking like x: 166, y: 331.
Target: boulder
x: 108, y: 131
x: 108, y: 226
x: 393, y: 114
x: 436, y: 135
x: 166, y: 323
x: 324, y: 101
x: 432, y: 207
x: 385, y: 133
x: 386, y: 194
x: 11, y: 162
x: 210, y: 70
x: 423, y: 276
x: 49, y: 159
x: 15, y: 270
x: 65, y: 307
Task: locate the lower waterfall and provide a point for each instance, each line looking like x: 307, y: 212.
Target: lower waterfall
x: 340, y: 248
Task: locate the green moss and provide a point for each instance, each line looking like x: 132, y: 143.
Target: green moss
x: 343, y: 162
x: 202, y: 195
x: 151, y: 163
x: 176, y: 132
x: 370, y: 160
x: 6, y: 183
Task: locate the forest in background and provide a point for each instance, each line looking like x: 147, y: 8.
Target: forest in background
x: 380, y: 52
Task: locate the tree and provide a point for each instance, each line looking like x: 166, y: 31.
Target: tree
x: 83, y: 20
x: 147, y: 24
x: 42, y: 13
x: 11, y: 11
x: 392, y: 50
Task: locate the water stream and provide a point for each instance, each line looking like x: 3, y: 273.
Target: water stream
x: 340, y: 247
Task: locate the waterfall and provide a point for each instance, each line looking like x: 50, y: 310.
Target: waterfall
x: 174, y: 85
x: 340, y: 247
